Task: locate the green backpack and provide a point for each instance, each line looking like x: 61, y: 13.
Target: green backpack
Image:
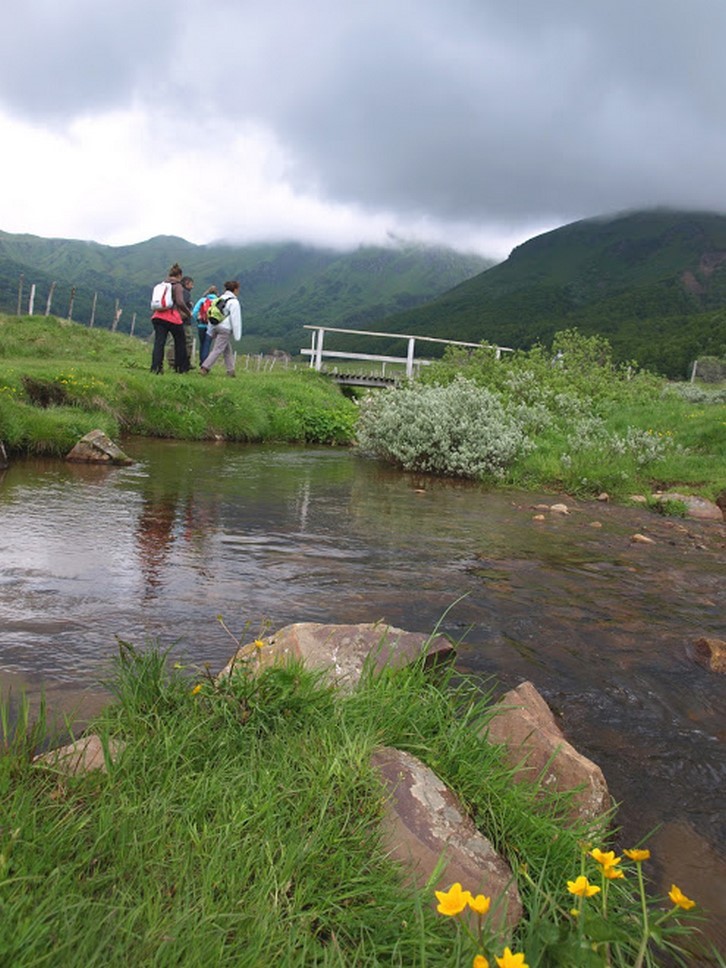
x: 218, y: 310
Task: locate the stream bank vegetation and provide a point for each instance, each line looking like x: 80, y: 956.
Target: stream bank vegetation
x: 562, y: 418
x: 238, y: 823
x: 565, y: 418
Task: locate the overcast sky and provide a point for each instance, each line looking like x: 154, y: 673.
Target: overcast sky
x: 475, y: 123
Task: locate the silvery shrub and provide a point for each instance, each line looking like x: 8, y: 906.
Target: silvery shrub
x: 460, y: 430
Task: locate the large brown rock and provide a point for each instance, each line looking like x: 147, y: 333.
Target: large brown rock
x: 426, y: 829
x: 537, y: 747
x: 711, y: 654
x: 341, y: 650
x: 696, y: 507
x: 97, y: 448
x: 83, y: 755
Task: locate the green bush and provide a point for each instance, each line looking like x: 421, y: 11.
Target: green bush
x: 460, y: 430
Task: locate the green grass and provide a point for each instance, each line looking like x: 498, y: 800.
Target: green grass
x: 240, y: 826
x: 94, y: 378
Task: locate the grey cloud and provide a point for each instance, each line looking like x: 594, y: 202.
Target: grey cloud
x: 458, y: 110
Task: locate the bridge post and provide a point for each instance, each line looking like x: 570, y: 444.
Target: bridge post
x: 409, y: 357
x: 318, y: 349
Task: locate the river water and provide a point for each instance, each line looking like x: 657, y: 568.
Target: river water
x: 263, y: 536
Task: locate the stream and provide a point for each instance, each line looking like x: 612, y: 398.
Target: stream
x: 262, y: 536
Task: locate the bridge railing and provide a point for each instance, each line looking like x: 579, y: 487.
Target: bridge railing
x: 317, y: 353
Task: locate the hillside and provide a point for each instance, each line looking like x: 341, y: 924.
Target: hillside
x: 284, y: 285
x: 653, y: 283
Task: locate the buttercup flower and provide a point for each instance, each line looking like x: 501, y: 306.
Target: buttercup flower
x: 197, y: 689
x: 613, y: 873
x: 259, y: 644
x: 480, y: 962
x: 480, y: 904
x: 453, y: 901
x: 607, y: 859
x: 508, y: 960
x: 679, y: 898
x: 582, y: 887
x: 637, y: 855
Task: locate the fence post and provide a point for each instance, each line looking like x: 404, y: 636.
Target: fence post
x: 409, y: 357
x: 133, y: 325
x: 70, y: 304
x: 31, y: 300
x: 50, y: 299
x: 93, y: 311
x: 693, y: 371
x: 20, y: 292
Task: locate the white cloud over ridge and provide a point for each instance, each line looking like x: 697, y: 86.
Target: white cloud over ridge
x: 465, y: 122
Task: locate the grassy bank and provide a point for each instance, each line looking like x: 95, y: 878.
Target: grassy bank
x: 59, y: 380
x: 240, y: 826
x: 564, y: 418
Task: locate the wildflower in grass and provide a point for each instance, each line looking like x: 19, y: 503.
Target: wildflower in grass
x: 575, y: 912
x: 581, y: 887
x: 509, y: 960
x: 480, y: 962
x: 480, y: 904
x: 197, y: 689
x: 453, y: 901
x: 613, y: 873
x: 679, y: 898
x: 605, y: 859
x: 637, y: 855
x: 259, y: 644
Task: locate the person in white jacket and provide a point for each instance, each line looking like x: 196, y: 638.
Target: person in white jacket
x: 223, y: 333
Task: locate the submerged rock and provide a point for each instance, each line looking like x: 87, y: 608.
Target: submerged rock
x: 97, y: 448
x: 426, y: 829
x: 710, y: 653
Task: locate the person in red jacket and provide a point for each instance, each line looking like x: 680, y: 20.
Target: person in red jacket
x: 171, y: 320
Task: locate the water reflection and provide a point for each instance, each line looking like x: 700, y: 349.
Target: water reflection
x: 265, y: 536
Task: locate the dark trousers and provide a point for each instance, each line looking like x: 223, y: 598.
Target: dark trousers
x: 162, y: 328
x: 205, y: 341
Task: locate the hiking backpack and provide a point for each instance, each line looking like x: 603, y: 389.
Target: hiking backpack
x: 217, y: 310
x: 204, y: 310
x: 162, y: 296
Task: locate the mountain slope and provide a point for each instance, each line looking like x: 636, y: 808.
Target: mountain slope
x: 284, y: 285
x: 653, y: 282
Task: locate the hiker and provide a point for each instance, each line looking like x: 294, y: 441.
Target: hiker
x: 188, y: 284
x: 222, y: 333
x: 166, y: 321
x: 199, y: 313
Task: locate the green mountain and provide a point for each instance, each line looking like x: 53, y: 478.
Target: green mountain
x: 652, y: 282
x: 284, y: 286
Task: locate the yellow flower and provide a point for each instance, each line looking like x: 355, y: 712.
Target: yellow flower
x: 453, y: 901
x: 582, y: 887
x: 508, y: 960
x: 480, y: 904
x: 480, y: 962
x: 679, y: 898
x: 259, y: 644
x: 197, y: 689
x: 637, y: 855
x: 613, y: 873
x: 574, y: 912
x: 605, y: 859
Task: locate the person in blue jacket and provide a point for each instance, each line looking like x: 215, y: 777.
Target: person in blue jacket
x: 199, y: 314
